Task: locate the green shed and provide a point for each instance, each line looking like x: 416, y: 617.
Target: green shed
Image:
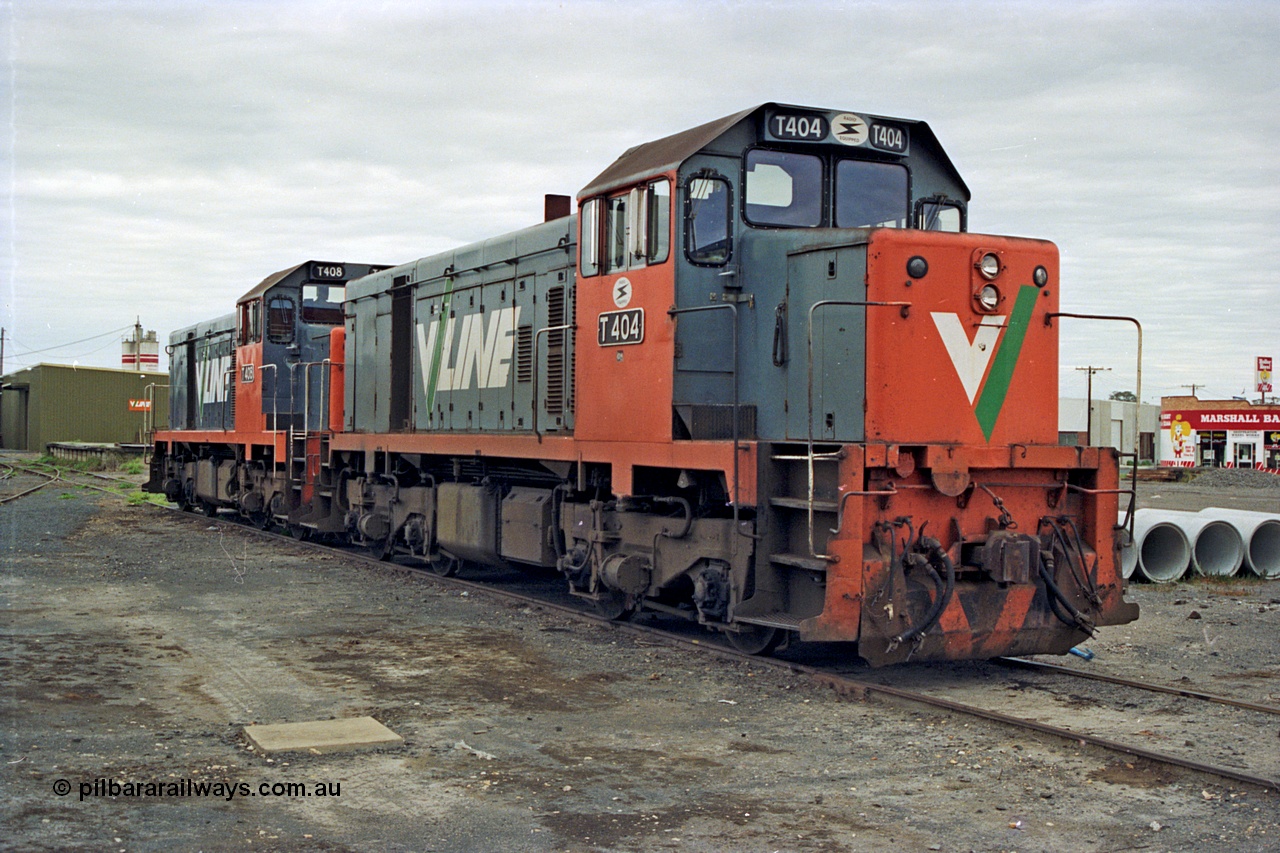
x: 58, y: 402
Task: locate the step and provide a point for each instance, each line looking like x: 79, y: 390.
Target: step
x: 799, y: 561
x: 803, y: 504
x: 786, y: 621
x: 801, y: 457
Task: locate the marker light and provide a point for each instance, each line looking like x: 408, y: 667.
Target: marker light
x: 988, y: 297
x: 989, y: 266
x: 1040, y: 276
x: 917, y: 267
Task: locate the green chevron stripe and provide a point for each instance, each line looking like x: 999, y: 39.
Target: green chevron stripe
x: 1006, y: 359
x: 438, y: 349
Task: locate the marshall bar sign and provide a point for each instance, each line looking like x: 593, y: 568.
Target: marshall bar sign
x: 1222, y: 420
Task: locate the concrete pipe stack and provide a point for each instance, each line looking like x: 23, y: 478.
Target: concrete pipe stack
x: 1212, y: 543
x: 1261, y: 534
x: 1160, y: 551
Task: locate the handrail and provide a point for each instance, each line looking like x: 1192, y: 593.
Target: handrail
x: 1137, y: 411
x: 274, y: 385
x: 226, y: 396
x: 844, y: 496
x: 809, y: 450
x: 149, y: 416
x: 737, y: 447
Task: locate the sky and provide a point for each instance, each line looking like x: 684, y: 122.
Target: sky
x: 164, y: 157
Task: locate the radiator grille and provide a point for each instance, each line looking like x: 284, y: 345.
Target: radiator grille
x: 524, y: 353
x: 556, y: 314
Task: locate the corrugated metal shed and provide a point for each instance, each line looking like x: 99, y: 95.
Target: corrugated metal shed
x: 58, y: 402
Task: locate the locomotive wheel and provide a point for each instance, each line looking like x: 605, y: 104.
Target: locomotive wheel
x: 613, y: 606
x: 385, y: 549
x: 756, y: 639
x: 261, y: 520
x: 444, y: 565
x: 209, y: 508
x: 297, y: 531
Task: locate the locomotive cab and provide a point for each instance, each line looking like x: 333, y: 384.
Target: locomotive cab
x: 891, y: 379
x: 250, y: 391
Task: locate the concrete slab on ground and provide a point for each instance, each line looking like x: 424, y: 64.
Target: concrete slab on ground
x: 323, y: 736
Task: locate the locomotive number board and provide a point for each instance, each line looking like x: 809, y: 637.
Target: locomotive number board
x: 842, y: 128
x: 616, y: 328
x: 328, y: 272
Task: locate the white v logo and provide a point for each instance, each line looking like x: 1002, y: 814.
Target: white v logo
x: 969, y: 358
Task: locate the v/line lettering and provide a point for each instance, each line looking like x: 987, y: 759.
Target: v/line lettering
x: 472, y: 354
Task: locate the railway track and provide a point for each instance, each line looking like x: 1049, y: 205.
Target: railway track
x: 12, y: 471
x: 1153, y: 722
x: 1218, y: 735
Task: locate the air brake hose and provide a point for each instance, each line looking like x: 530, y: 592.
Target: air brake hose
x: 1058, y: 601
x: 940, y: 603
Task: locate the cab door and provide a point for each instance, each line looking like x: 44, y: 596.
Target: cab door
x: 818, y: 280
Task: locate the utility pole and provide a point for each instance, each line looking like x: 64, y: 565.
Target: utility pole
x: 137, y: 343
x: 1, y: 384
x: 1089, y: 399
x: 1193, y: 386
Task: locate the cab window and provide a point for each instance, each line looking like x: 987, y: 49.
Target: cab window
x: 939, y: 214
x: 707, y: 218
x: 589, y: 243
x: 783, y: 188
x: 637, y: 227
x: 871, y: 194
x: 617, y: 231
x: 248, y: 322
x: 280, y: 320
x: 658, y: 218
x: 322, y: 303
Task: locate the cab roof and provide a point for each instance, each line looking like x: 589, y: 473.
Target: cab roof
x: 271, y: 281
x: 664, y: 155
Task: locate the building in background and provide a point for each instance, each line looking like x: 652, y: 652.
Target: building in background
x: 1219, y: 434
x: 56, y: 402
x: 1113, y: 423
x: 140, y: 352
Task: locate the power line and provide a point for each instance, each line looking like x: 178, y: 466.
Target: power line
x: 71, y: 343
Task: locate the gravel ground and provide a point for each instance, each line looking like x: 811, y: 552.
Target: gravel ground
x: 137, y: 645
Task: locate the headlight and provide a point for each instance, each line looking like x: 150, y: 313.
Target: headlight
x: 988, y: 297
x: 989, y: 266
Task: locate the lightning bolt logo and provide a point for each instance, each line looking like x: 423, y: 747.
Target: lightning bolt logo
x: 622, y: 292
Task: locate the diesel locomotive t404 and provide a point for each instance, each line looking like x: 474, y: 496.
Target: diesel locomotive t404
x: 760, y: 377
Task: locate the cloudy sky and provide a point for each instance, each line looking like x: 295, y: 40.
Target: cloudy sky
x: 163, y: 157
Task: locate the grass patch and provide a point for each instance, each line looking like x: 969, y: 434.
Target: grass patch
x: 132, y: 467
x: 140, y: 498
